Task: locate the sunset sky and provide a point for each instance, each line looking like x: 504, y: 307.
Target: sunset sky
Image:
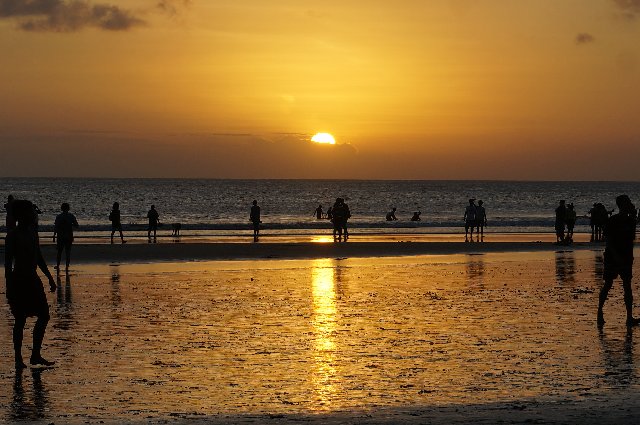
x: 411, y: 89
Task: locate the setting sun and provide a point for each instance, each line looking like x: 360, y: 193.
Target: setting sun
x: 324, y: 138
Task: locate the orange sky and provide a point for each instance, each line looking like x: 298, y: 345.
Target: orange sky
x: 449, y: 89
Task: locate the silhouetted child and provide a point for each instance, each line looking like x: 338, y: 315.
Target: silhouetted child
x: 254, y: 217
x: 63, y: 229
x: 620, y: 232
x: 154, y: 219
x: 25, y: 291
x: 318, y: 212
x: 570, y: 220
x: 416, y: 216
x: 116, y: 225
x: 330, y: 214
x: 561, y: 213
x: 391, y: 215
x: 469, y: 219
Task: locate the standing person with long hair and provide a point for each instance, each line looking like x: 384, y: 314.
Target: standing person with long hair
x: 25, y: 291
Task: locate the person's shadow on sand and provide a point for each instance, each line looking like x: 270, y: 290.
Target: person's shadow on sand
x: 617, y: 359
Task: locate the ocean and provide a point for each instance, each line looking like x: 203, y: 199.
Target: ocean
x: 221, y: 207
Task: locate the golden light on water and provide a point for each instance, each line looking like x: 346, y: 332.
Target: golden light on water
x: 324, y: 138
x: 324, y: 328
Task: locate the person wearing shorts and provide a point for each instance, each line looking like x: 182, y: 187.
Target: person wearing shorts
x: 63, y: 230
x: 619, y: 233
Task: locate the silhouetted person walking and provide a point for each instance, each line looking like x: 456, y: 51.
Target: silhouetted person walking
x: 469, y: 219
x: 254, y: 217
x: 154, y: 219
x: 347, y: 216
x: 561, y: 214
x: 391, y: 215
x: 25, y: 291
x: 620, y: 232
x: 63, y: 229
x: 318, y: 212
x: 10, y: 221
x: 116, y: 224
x: 481, y: 219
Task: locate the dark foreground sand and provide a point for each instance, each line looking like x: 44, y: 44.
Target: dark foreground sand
x: 457, y: 338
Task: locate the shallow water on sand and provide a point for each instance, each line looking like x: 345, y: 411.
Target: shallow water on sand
x: 172, y: 341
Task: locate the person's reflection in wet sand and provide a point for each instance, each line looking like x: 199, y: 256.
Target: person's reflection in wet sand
x: 116, y: 299
x: 475, y: 269
x: 617, y: 358
x: 565, y: 268
x: 598, y: 266
x: 64, y: 304
x: 29, y: 409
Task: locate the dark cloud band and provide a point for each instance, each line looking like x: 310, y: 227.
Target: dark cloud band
x: 67, y: 16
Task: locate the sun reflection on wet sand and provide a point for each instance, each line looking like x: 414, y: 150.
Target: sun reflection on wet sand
x: 324, y: 327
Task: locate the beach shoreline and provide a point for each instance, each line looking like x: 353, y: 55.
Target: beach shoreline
x: 206, y: 251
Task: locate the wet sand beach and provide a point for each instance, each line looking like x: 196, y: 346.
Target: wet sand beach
x: 361, y: 246
x: 454, y: 338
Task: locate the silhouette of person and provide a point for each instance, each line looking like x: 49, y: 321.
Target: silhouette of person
x: 347, y: 216
x: 254, y: 217
x: 116, y: 225
x: 561, y: 214
x: 481, y: 219
x: 469, y: 219
x: 330, y: 214
x: 339, y: 219
x: 154, y: 219
x: 25, y: 292
x: 416, y: 216
x: 10, y: 221
x: 619, y: 232
x: 570, y: 219
x: 391, y: 215
x: 318, y: 212
x: 63, y: 229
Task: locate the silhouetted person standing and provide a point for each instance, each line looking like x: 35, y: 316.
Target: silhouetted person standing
x: 116, y: 224
x: 254, y: 217
x: 154, y: 219
x: 469, y: 219
x: 347, y: 216
x: 561, y: 214
x: 330, y: 214
x: 63, y: 229
x: 481, y: 219
x: 570, y: 220
x: 339, y: 219
x: 318, y: 212
x: 391, y: 215
x: 25, y: 291
x: 620, y: 232
x: 11, y: 221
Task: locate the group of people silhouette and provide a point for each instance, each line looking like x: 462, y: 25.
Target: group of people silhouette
x: 475, y: 217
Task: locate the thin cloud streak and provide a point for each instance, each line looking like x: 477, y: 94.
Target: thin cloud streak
x: 67, y: 16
